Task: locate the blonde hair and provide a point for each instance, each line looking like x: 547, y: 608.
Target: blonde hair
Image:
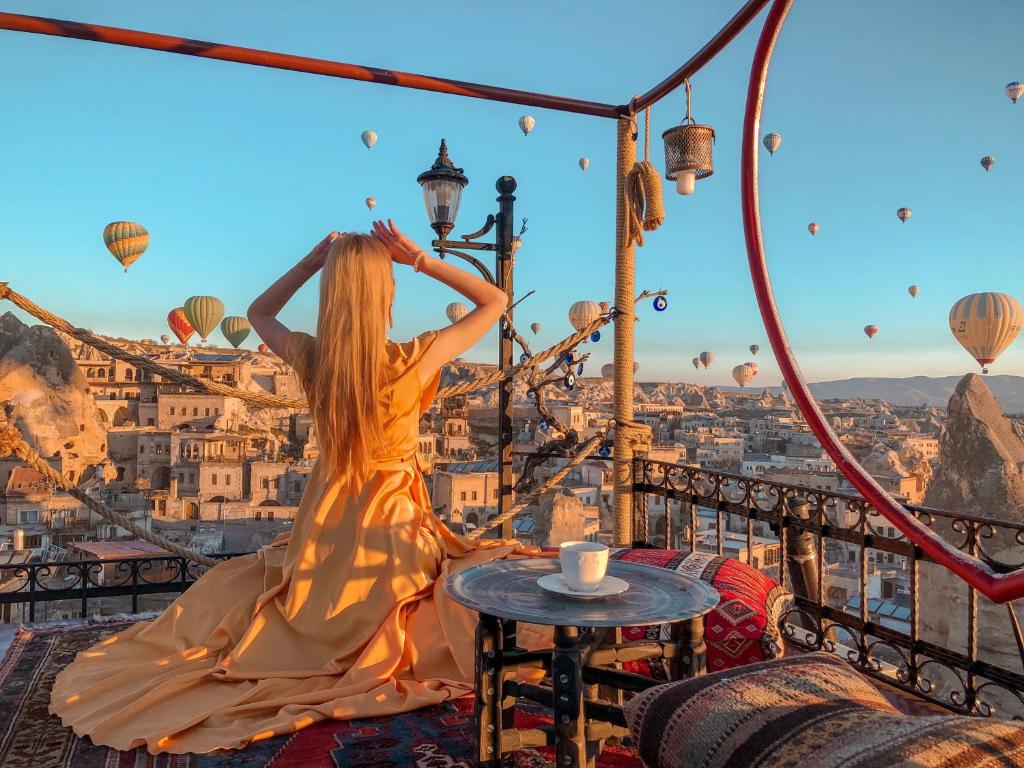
x: 356, y: 290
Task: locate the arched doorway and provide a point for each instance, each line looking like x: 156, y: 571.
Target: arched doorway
x: 472, y: 519
x: 191, y: 510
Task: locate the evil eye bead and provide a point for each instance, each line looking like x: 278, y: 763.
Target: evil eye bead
x: 523, y: 357
x: 579, y: 369
x: 569, y: 358
x: 595, y: 336
x: 604, y: 451
x: 660, y: 303
x: 570, y: 381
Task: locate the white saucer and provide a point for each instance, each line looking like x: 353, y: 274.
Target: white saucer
x: 610, y: 585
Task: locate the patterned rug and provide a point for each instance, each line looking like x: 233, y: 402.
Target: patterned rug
x: 434, y: 737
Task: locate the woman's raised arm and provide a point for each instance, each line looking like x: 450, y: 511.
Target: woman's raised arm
x: 490, y: 302
x: 263, y: 311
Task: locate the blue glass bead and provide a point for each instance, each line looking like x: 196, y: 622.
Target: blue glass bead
x: 660, y: 303
x: 595, y: 336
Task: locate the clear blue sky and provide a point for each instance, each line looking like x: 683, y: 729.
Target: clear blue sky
x: 236, y: 170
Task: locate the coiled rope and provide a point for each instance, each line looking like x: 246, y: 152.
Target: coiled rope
x: 644, y: 203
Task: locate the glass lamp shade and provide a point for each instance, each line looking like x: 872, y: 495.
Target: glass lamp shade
x: 442, y: 198
x: 442, y: 191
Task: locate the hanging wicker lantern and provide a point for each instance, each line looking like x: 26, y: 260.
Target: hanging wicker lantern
x: 688, y: 151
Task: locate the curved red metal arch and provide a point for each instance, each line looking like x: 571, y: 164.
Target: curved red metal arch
x: 997, y: 587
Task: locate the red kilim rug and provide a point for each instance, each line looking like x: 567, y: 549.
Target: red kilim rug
x: 434, y: 737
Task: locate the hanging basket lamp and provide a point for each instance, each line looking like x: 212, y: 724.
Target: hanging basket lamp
x: 688, y: 151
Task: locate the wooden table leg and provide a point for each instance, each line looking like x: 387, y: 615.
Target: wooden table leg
x: 507, y: 672
x: 567, y: 684
x: 487, y: 700
x: 691, y: 650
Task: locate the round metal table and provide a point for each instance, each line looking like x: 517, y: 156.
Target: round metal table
x: 504, y: 592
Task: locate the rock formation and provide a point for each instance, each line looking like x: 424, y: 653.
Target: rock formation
x: 46, y: 396
x: 559, y: 517
x: 980, y: 472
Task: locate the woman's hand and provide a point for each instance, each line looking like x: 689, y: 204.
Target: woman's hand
x: 403, y: 250
x: 315, y: 259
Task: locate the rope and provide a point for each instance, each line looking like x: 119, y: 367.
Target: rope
x: 13, y: 444
x: 516, y: 509
x: 646, y: 208
x: 273, y: 401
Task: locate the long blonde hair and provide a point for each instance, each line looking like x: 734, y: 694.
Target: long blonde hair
x: 356, y: 291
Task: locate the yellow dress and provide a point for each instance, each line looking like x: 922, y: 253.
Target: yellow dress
x: 344, y: 616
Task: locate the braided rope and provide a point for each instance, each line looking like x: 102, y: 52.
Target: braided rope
x: 265, y: 400
x: 13, y: 444
x: 521, y: 504
x: 646, y: 208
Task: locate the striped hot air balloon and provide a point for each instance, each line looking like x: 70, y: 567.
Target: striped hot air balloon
x: 706, y: 359
x: 526, y: 123
x: 696, y: 362
x: 870, y: 330
x: 985, y: 324
x: 1014, y: 91
x: 204, y: 312
x: 743, y: 374
x: 126, y: 241
x: 582, y: 313
x: 179, y: 324
x: 753, y: 367
x: 772, y: 142
x: 456, y: 311
x: 903, y: 214
x: 235, y: 329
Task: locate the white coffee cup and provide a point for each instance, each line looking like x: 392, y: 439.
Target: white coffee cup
x: 584, y: 564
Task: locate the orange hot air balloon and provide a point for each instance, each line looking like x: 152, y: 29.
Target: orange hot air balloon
x: 263, y: 348
x: 870, y: 330
x: 126, y: 241
x: 180, y: 325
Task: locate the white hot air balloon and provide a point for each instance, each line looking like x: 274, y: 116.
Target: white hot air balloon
x: 456, y: 311
x: 743, y: 374
x: 753, y: 367
x: 535, y: 327
x: 371, y: 203
x: 526, y: 123
x: 582, y: 313
x: 985, y: 324
x: 1014, y: 91
x: 584, y: 163
x: 369, y: 138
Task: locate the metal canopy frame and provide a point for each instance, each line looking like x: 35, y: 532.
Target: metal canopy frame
x: 979, y: 575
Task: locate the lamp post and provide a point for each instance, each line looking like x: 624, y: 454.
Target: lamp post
x: 442, y: 186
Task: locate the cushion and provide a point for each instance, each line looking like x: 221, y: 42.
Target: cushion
x: 742, y: 629
x: 812, y: 710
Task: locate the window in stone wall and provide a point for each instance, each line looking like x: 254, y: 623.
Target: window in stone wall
x: 171, y: 410
x: 214, y: 478
x: 227, y: 479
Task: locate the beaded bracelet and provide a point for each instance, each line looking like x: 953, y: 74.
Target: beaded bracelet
x: 416, y: 264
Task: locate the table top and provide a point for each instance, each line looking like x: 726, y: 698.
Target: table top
x: 508, y: 589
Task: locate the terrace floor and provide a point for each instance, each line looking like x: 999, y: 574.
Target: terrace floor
x: 434, y: 737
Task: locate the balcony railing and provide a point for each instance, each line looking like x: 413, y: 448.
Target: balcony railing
x: 973, y: 669
x: 823, y: 540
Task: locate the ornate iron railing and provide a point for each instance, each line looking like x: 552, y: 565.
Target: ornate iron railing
x: 951, y: 646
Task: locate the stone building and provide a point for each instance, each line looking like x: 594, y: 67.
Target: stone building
x: 464, y: 484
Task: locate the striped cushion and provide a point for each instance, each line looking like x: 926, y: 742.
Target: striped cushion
x: 812, y: 710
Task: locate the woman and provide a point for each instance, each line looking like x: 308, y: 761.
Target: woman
x: 345, y: 615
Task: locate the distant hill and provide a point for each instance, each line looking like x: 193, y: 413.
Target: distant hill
x: 918, y: 390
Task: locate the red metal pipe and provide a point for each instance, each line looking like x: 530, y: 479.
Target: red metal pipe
x: 999, y: 588
x: 711, y: 49
x: 133, y: 38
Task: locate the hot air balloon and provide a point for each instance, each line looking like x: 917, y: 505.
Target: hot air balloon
x: 754, y: 349
x: 753, y: 367
x: 913, y: 291
x: 987, y: 162
x: 584, y: 163
x: 813, y: 228
x: 1014, y: 90
x: 371, y: 203
x: 535, y: 327
x: 742, y: 374
x: 771, y: 142
x: 263, y: 348
x: 526, y: 123
x: 706, y: 359
x: 126, y: 241
x: 165, y: 339
x: 985, y: 324
x: 369, y: 138
x: 204, y: 312
x: 456, y: 311
x: 582, y: 313
x: 235, y: 329
x: 179, y: 324
x: 696, y: 362
x: 870, y: 330
x: 903, y: 214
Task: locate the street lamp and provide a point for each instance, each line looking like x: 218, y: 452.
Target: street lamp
x: 442, y: 186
